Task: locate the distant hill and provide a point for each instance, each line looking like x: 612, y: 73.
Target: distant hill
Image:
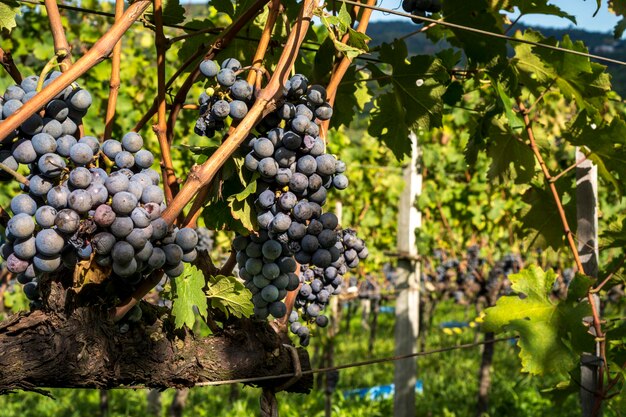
x: 598, y: 43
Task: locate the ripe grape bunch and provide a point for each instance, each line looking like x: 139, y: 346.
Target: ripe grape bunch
x: 73, y: 210
x: 295, y: 174
x: 421, y: 8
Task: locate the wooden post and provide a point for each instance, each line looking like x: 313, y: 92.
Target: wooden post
x: 587, y: 236
x: 407, y: 304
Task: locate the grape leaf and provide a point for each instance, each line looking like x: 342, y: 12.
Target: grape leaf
x: 541, y: 7
x: 415, y: 102
x: 605, y: 144
x: 230, y: 296
x: 173, y: 12
x: 8, y: 10
x: 475, y: 14
x: 550, y: 333
x: 188, y: 292
x: 510, y: 157
x: 542, y: 216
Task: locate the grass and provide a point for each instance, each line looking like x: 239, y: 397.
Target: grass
x: 449, y: 379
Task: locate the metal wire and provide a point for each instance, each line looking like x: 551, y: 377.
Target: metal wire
x: 485, y: 32
x: 340, y: 367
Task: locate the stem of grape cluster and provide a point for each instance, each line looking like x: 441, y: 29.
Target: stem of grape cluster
x: 61, y: 46
x: 170, y: 184
x: 339, y: 70
x: 114, y: 83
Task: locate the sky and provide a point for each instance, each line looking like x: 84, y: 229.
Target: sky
x: 582, y: 9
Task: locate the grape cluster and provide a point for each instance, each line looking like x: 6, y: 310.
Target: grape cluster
x: 230, y: 97
x: 319, y: 283
x: 295, y: 174
x: 421, y: 8
x: 71, y: 209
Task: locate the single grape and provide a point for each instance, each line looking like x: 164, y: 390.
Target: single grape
x: 220, y: 109
x: 187, y: 239
x: 24, y: 152
x: 241, y: 90
x: 173, y: 254
x: 122, y: 203
x: 111, y: 148
x: 21, y: 225
x: 144, y: 158
x: 174, y: 270
x: 292, y: 140
x: 268, y: 167
x: 45, y: 263
x: 124, y: 159
x: 10, y: 106
x: 49, y: 242
x: 123, y: 253
x: 81, y: 154
x: 324, y: 112
x: 263, y: 148
x: 238, y: 109
x: 25, y: 248
x: 152, y: 194
x: 45, y: 216
x: 23, y: 203
x: 92, y: 142
x: 232, y: 64
x: 159, y: 229
x: 104, y: 216
x: 32, y: 125
x: 80, y: 201
x: 157, y: 258
x: 285, y: 157
x: 80, y: 100
x: 209, y: 68
x: 124, y: 269
x: 137, y: 238
x: 277, y: 309
x: 340, y: 182
x: 226, y: 77
x: 316, y: 95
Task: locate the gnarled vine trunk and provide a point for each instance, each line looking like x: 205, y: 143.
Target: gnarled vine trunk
x: 85, y: 349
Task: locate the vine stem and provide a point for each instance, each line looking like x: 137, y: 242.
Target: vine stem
x: 264, y: 42
x: 61, y: 46
x: 6, y: 60
x: 114, y: 83
x: 599, y: 335
x: 340, y: 69
x: 160, y: 129
x: 100, y: 50
x: 201, y: 175
x: 19, y: 177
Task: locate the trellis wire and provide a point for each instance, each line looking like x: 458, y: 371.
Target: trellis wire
x: 389, y: 11
x: 340, y: 367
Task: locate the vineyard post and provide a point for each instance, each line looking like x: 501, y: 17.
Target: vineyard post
x: 587, y: 236
x: 407, y: 285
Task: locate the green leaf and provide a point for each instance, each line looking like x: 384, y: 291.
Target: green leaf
x: 415, y: 102
x: 173, y: 12
x: 579, y: 287
x: 230, y: 296
x: 188, y: 292
x: 542, y: 7
x: 510, y: 157
x: 8, y: 10
x: 542, y: 216
x: 480, y: 15
x: 550, y: 333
